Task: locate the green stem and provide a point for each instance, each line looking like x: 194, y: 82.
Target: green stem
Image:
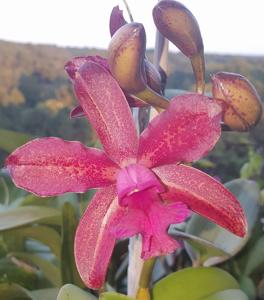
x: 144, y: 281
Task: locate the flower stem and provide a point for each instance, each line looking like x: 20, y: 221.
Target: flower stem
x: 128, y: 11
x: 145, y: 277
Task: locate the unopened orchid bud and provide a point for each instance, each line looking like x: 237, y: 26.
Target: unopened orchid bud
x: 180, y: 27
x: 241, y: 102
x: 127, y: 63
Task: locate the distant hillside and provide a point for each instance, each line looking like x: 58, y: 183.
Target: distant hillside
x: 36, y: 96
x: 33, y: 75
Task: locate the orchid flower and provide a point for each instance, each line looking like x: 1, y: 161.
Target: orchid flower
x: 72, y: 66
x: 144, y: 185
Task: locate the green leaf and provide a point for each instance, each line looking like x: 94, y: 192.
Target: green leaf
x: 114, y: 296
x: 72, y: 292
x: 45, y: 294
x: 247, y: 285
x: 69, y: 225
x: 16, y: 272
x: 193, y: 284
x: 50, y: 271
x: 208, y: 252
x: 227, y: 295
x: 20, y: 216
x: 255, y: 258
x: 13, y: 292
x: 247, y: 192
x: 10, y: 140
x: 44, y: 234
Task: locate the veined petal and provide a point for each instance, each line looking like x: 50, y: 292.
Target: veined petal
x: 94, y: 241
x: 106, y: 107
x: 77, y: 112
x: 52, y: 166
x: 204, y: 195
x: 186, y: 131
x: 147, y: 215
x: 75, y: 64
x: 117, y: 20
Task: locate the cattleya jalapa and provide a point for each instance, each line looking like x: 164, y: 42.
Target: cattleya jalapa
x: 144, y: 185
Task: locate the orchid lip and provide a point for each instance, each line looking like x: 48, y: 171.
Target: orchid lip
x: 136, y: 178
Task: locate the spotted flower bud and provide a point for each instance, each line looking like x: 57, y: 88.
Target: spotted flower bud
x: 242, y: 104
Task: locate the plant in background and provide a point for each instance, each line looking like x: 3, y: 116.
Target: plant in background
x: 144, y: 182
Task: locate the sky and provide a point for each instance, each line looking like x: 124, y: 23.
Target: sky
x: 227, y: 26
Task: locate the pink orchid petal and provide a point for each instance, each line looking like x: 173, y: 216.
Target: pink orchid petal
x: 106, y: 107
x: 147, y: 215
x: 186, y: 131
x: 77, y: 62
x: 136, y: 178
x: 52, y: 166
x: 204, y: 195
x: 77, y: 112
x: 117, y: 20
x: 94, y: 242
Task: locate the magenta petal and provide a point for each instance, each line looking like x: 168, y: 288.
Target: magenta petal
x: 77, y: 112
x: 145, y: 214
x: 106, y: 107
x: 94, y: 241
x: 117, y: 20
x: 135, y: 178
x: 75, y: 64
x: 186, y: 131
x: 52, y: 166
x: 204, y: 195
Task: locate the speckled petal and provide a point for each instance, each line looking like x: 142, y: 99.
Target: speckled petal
x: 106, y: 107
x: 73, y: 65
x: 204, y: 195
x: 94, y: 241
x: 117, y: 20
x: 148, y: 216
x: 52, y: 166
x: 186, y: 131
x: 77, y: 112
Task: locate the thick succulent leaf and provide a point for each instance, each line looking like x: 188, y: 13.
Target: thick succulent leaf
x: 69, y: 271
x: 227, y: 295
x: 247, y: 193
x: 193, y: 284
x: 11, y: 291
x: 186, y: 131
x: 20, y: 216
x: 201, y: 250
x: 106, y: 107
x: 94, y: 241
x: 117, y: 20
x: 73, y: 292
x: 248, y: 286
x: 44, y: 234
x: 114, y: 296
x: 45, y: 294
x: 255, y: 259
x: 49, y: 270
x: 204, y: 195
x: 52, y: 166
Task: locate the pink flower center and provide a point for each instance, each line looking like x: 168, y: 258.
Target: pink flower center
x: 142, y: 211
x: 135, y: 179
